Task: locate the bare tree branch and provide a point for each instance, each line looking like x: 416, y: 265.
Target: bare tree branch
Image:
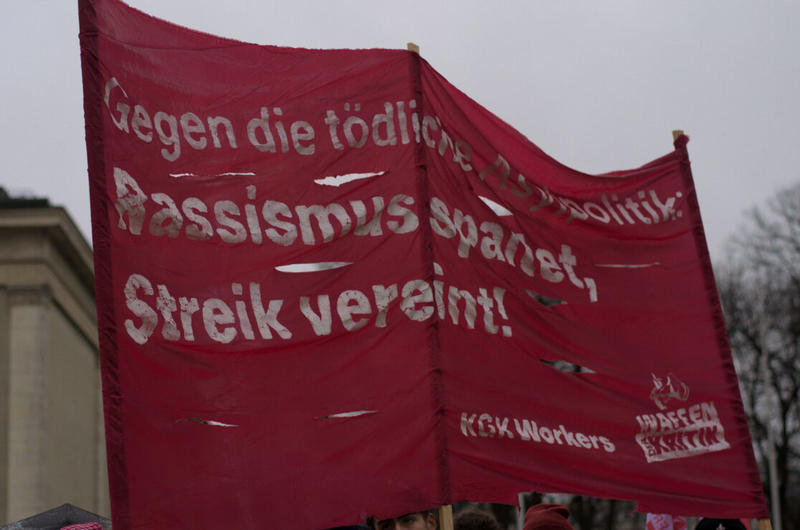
x: 760, y: 285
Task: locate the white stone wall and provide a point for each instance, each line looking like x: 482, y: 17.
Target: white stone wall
x: 72, y: 390
x: 52, y: 447
x: 28, y: 433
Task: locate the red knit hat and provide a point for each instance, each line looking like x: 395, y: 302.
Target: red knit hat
x: 547, y: 517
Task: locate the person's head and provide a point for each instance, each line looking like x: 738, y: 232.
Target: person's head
x: 474, y: 519
x: 547, y: 517
x: 409, y: 521
x: 719, y: 524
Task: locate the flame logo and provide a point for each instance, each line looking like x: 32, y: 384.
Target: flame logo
x: 665, y: 390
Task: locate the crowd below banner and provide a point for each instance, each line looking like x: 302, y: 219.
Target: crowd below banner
x: 544, y: 516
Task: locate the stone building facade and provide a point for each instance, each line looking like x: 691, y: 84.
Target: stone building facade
x: 52, y: 447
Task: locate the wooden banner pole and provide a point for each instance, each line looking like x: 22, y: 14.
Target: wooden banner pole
x: 763, y: 524
x: 446, y: 517
x: 445, y: 512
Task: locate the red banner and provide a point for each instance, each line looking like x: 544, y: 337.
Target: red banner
x: 330, y: 284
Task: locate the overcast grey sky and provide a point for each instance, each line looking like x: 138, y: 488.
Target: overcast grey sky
x: 599, y: 85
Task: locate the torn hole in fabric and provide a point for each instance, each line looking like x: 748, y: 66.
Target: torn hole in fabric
x: 312, y: 267
x: 568, y: 367
x: 628, y: 265
x: 338, y: 180
x: 226, y: 174
x: 213, y: 423
x: 353, y: 414
x: 497, y: 208
x: 544, y: 300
